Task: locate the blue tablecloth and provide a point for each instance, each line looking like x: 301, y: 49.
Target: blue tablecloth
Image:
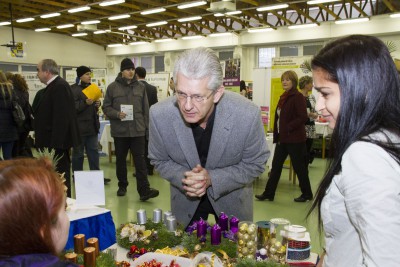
x: 100, y: 226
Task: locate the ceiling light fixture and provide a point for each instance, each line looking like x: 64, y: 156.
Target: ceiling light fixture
x: 115, y: 45
x: 50, y: 15
x: 396, y: 15
x: 110, y: 3
x: 137, y: 43
x: 192, y: 4
x: 273, y: 7
x: 79, y: 34
x: 88, y: 22
x: 220, y: 34
x: 316, y: 2
x: 237, y: 12
x: 43, y: 30
x: 156, y: 24
x: 99, y: 32
x: 349, y: 21
x: 125, y: 16
x: 79, y: 9
x: 163, y: 40
x: 152, y: 11
x: 25, y: 20
x: 192, y: 37
x: 65, y: 26
x: 127, y: 28
x: 255, y: 30
x: 219, y: 15
x: 5, y: 23
x: 189, y: 19
x: 302, y: 26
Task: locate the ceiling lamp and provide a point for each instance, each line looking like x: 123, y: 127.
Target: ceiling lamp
x: 137, y: 43
x: 110, y: 3
x: 192, y: 4
x: 255, y: 30
x: 50, y: 15
x: 396, y: 15
x: 220, y: 34
x: 4, y: 23
x: 125, y: 16
x: 25, y: 20
x: 99, y: 32
x: 219, y: 14
x: 192, y: 37
x: 65, y: 26
x: 302, y: 26
x: 79, y: 34
x: 79, y: 9
x: 230, y: 13
x: 349, y: 21
x: 88, y: 22
x: 189, y: 19
x: 43, y: 30
x: 316, y: 2
x: 163, y: 40
x: 273, y: 7
x: 156, y: 24
x: 115, y: 45
x: 152, y: 11
x: 127, y: 28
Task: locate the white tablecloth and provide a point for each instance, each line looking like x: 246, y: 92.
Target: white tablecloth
x: 322, y: 128
x: 106, y: 138
x: 271, y: 147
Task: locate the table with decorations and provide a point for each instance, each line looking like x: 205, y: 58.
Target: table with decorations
x: 160, y: 241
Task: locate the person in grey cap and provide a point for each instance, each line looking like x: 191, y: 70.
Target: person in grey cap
x: 88, y: 123
x: 127, y: 108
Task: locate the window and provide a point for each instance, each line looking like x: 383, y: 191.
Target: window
x: 225, y: 55
x: 265, y: 55
x: 9, y: 68
x: 29, y: 68
x: 159, y: 64
x: 311, y: 50
x: 147, y: 63
x: 288, y: 51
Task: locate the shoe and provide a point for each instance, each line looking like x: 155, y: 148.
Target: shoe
x: 302, y: 199
x: 264, y: 196
x: 121, y: 191
x: 151, y: 193
x: 107, y: 180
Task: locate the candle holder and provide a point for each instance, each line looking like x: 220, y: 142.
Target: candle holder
x: 79, y: 243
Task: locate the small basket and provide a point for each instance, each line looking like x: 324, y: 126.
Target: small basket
x: 298, y: 254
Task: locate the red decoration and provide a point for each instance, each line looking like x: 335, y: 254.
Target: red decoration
x: 134, y: 249
x: 143, y: 251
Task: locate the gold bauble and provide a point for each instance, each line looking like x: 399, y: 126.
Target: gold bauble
x: 246, y: 237
x: 245, y: 251
x: 197, y: 247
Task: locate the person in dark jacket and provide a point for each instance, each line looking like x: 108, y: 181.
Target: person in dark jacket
x: 290, y: 138
x: 151, y: 92
x: 88, y: 123
x: 34, y: 224
x: 56, y: 126
x: 8, y: 128
x: 127, y: 107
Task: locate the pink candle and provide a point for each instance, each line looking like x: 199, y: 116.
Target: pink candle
x: 223, y: 222
x: 215, y: 235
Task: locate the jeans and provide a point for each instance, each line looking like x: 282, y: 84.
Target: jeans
x: 90, y: 144
x: 6, y: 148
x: 297, y: 153
x: 137, y: 146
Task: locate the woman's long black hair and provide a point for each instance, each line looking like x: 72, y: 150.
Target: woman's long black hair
x: 369, y: 99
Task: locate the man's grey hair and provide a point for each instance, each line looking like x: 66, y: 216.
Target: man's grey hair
x: 199, y: 63
x: 50, y: 66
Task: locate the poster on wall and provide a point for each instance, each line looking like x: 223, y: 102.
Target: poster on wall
x: 279, y: 66
x: 34, y: 84
x: 231, y: 71
x: 98, y: 77
x: 161, y: 82
x: 17, y: 51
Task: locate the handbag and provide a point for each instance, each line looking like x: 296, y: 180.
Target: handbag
x: 29, y: 118
x: 18, y: 114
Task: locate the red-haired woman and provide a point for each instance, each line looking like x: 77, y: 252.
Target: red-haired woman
x: 34, y: 225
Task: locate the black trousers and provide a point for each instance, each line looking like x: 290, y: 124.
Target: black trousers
x: 297, y: 153
x: 150, y: 167
x: 203, y: 210
x: 137, y: 147
x: 310, y: 154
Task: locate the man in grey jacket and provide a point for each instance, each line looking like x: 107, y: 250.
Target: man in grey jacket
x: 209, y: 144
x: 126, y: 105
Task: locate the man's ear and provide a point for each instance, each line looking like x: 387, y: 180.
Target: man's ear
x: 218, y: 94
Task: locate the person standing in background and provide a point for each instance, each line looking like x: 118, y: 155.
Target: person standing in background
x: 290, y: 139
x: 171, y: 88
x: 8, y: 127
x: 151, y: 92
x: 306, y: 85
x: 56, y: 126
x: 88, y: 123
x: 127, y: 107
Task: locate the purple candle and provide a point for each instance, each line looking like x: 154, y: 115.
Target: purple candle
x: 201, y: 228
x: 215, y: 235
x: 223, y: 221
x: 234, y: 224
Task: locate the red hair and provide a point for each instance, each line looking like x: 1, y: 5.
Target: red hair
x: 31, y: 195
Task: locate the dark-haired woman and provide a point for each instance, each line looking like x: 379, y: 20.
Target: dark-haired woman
x: 290, y: 139
x: 34, y: 225
x: 358, y: 199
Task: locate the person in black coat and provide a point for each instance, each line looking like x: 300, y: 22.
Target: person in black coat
x: 151, y: 92
x: 56, y: 125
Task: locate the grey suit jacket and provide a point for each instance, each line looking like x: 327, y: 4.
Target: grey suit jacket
x: 237, y: 155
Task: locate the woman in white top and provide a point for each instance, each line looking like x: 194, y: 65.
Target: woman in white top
x: 359, y: 197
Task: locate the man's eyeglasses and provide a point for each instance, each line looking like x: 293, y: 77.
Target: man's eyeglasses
x: 198, y: 98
